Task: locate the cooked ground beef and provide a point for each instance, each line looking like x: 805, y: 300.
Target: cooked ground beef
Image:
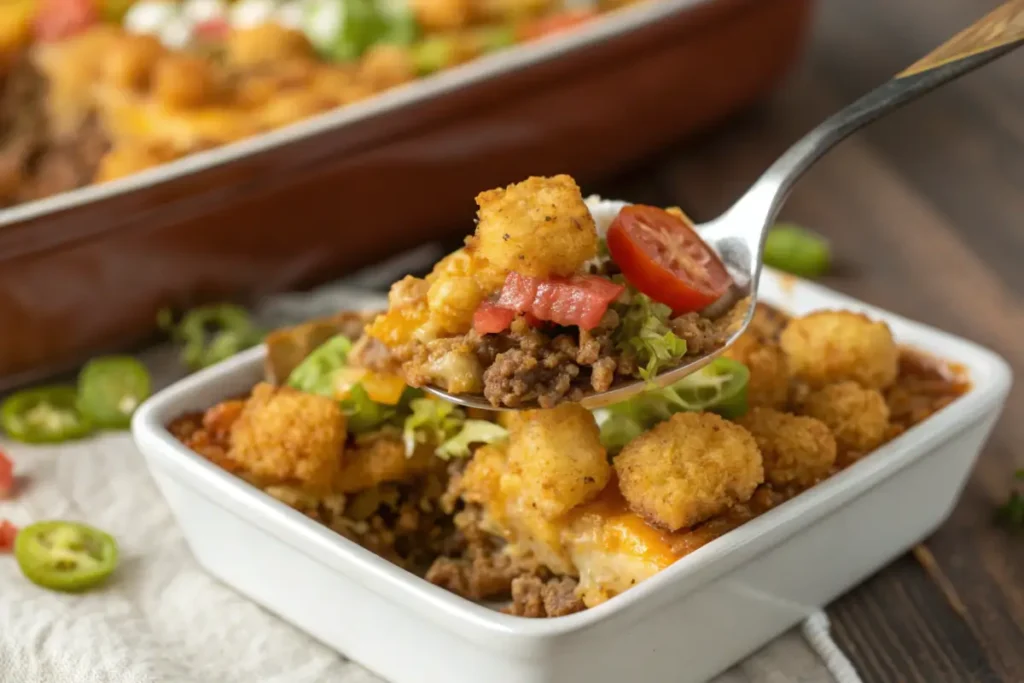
x: 526, y: 364
x: 533, y: 597
x: 476, y: 566
x: 34, y: 163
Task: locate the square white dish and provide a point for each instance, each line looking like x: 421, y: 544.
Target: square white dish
x: 691, y: 621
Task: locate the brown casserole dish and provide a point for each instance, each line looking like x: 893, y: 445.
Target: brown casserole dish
x: 87, y: 270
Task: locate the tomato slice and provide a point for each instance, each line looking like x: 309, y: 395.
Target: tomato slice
x: 555, y: 23
x: 6, y: 476
x: 662, y: 256
x: 60, y: 19
x: 579, y: 300
x: 8, y: 532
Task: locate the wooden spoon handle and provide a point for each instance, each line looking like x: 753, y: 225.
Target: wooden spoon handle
x: 1001, y: 27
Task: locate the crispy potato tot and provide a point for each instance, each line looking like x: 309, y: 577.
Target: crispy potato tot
x: 131, y: 60
x: 833, y: 346
x: 539, y: 227
x: 284, y: 436
x: 128, y: 158
x: 795, y: 450
x: 440, y: 305
x: 491, y: 481
x: 269, y: 43
x: 559, y: 456
x: 858, y: 417
x: 382, y: 460
x: 688, y: 469
x: 184, y: 82
x: 385, y: 66
x: 442, y: 15
x: 769, y: 373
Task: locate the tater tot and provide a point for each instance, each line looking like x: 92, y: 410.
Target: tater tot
x: 769, y: 374
x: 385, y: 66
x: 130, y: 61
x: 688, y: 469
x: 857, y: 417
x: 128, y: 158
x: 442, y: 15
x: 559, y: 457
x: 539, y: 227
x: 183, y: 82
x: 284, y: 436
x: 833, y: 346
x: 268, y: 43
x: 795, y: 450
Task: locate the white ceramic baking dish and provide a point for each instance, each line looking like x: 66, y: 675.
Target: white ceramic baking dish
x: 693, y: 620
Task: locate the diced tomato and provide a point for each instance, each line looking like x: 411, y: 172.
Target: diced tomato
x: 60, y: 19
x: 214, y: 30
x: 6, y: 476
x: 8, y: 532
x: 491, y: 318
x: 662, y: 256
x: 555, y: 23
x: 579, y: 300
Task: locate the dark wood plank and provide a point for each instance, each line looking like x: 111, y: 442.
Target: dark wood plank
x: 925, y: 210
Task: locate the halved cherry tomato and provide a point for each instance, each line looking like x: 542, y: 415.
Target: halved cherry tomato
x: 60, y: 19
x: 6, y: 476
x: 662, y: 256
x: 579, y: 300
x: 555, y: 23
x: 8, y: 532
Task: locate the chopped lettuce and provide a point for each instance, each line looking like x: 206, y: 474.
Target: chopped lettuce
x: 363, y: 414
x: 473, y: 431
x: 431, y: 421
x: 315, y: 374
x: 719, y: 387
x: 644, y: 330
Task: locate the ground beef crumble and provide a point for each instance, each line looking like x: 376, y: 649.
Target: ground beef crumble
x: 535, y: 598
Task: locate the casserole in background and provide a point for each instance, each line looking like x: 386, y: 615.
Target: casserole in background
x: 87, y: 271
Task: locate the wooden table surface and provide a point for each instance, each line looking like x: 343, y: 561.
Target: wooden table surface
x: 925, y: 210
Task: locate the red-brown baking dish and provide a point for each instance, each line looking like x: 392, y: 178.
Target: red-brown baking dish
x: 87, y: 271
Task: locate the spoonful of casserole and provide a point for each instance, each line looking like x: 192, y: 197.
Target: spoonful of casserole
x: 543, y: 306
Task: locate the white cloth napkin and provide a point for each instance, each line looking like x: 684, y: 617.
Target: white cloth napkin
x: 161, y: 619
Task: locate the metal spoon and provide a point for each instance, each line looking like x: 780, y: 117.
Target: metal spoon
x: 739, y: 234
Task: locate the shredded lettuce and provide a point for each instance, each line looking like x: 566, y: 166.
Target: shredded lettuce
x: 473, y: 431
x: 364, y: 414
x: 644, y: 330
x: 315, y: 374
x: 431, y: 421
x: 719, y: 387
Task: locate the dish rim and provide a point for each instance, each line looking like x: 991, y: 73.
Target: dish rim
x: 990, y: 376
x: 609, y: 25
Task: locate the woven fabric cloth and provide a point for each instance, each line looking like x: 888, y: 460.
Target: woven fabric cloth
x: 161, y: 619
